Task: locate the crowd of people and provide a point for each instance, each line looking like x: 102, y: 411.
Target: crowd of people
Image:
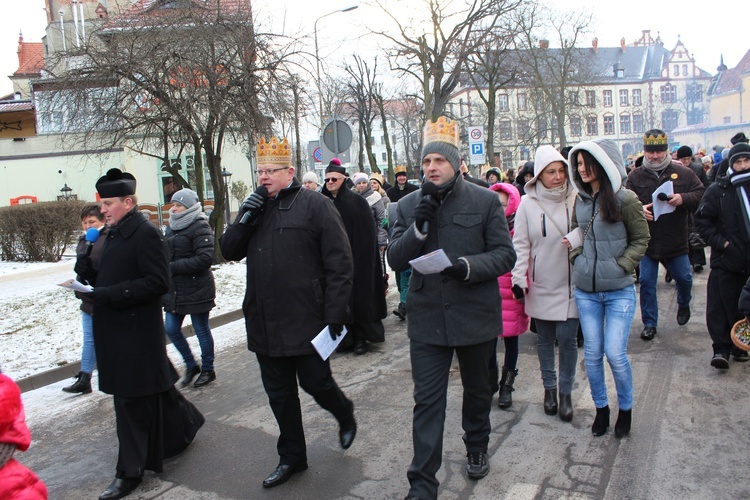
x: 556, y: 248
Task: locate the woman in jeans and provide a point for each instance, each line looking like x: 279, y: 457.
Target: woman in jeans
x: 192, y: 289
x: 542, y: 276
x: 610, y: 237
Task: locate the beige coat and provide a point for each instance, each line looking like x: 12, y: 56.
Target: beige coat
x: 542, y: 259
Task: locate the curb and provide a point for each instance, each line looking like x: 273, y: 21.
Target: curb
x: 71, y: 369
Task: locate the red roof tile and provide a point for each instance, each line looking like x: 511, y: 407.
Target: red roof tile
x: 30, y: 58
x: 146, y: 12
x: 731, y: 79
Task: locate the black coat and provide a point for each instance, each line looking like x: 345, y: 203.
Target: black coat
x: 669, y: 234
x: 299, y: 271
x: 129, y: 328
x: 368, y: 295
x: 396, y: 193
x: 191, y: 253
x: 87, y: 305
x: 719, y: 220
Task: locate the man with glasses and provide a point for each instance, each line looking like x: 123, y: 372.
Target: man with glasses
x: 299, y: 280
x: 367, y: 303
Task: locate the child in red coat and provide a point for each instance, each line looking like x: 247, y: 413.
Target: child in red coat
x: 16, y: 481
x: 515, y: 320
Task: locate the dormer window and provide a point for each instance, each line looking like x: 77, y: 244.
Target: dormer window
x: 619, y: 70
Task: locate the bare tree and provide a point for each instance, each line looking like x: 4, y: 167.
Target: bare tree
x: 555, y: 76
x: 359, y: 85
x: 188, y: 77
x: 436, y: 57
x: 490, y: 68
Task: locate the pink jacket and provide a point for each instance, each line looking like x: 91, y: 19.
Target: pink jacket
x: 16, y: 481
x: 515, y: 320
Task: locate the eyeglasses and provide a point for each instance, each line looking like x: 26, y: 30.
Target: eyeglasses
x: 270, y: 171
x: 333, y: 179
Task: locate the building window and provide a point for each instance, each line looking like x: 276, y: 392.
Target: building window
x: 541, y: 128
x: 625, y: 124
x: 669, y: 119
x: 590, y: 98
x: 676, y: 70
x: 609, y: 125
x: 575, y: 126
x: 507, y: 159
x: 502, y: 102
x: 592, y: 127
x: 668, y: 93
x: 638, y: 123
x: 607, y: 98
x: 523, y: 129
x: 574, y: 98
x: 636, y: 97
x: 684, y: 70
x: 553, y: 127
x: 623, y: 98
x: 393, y: 123
x: 521, y: 102
x: 525, y: 153
x: 384, y: 156
x: 727, y: 120
x: 694, y: 92
x: 505, y: 131
x: 694, y: 116
x: 460, y: 107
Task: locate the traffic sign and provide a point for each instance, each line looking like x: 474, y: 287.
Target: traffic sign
x: 476, y: 134
x: 318, y: 154
x: 477, y: 148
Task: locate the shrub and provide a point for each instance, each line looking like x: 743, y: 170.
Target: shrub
x: 38, y: 231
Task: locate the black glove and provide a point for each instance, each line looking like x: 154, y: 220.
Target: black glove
x: 99, y: 296
x: 425, y: 211
x: 458, y: 271
x: 85, y: 268
x: 335, y: 329
x: 518, y: 292
x: 253, y: 204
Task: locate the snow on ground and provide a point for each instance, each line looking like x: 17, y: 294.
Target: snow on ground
x: 40, y: 323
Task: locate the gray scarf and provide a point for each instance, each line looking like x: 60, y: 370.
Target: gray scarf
x: 657, y: 167
x: 181, y: 220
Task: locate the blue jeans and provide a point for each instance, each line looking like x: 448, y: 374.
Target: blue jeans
x: 565, y: 331
x: 88, y: 353
x: 606, y: 318
x: 173, y: 325
x: 679, y: 268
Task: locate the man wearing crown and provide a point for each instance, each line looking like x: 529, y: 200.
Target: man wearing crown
x: 456, y: 311
x: 299, y: 280
x: 669, y: 234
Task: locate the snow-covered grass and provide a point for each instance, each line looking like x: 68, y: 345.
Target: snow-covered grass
x: 40, y: 323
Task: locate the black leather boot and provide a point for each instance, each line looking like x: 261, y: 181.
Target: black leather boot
x: 566, y: 407
x: 550, y: 401
x: 622, y: 427
x: 601, y: 422
x: 505, y: 399
x: 82, y: 385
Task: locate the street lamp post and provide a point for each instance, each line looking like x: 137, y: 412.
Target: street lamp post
x: 66, y: 191
x: 226, y: 174
x: 317, y: 58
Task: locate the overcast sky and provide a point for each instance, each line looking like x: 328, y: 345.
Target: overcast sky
x: 708, y: 29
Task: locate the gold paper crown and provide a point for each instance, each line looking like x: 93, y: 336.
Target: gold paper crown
x: 274, y: 152
x: 400, y: 169
x: 443, y: 130
x: 655, y: 140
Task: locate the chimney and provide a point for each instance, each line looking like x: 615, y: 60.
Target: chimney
x: 543, y: 44
x: 622, y: 44
x: 595, y: 44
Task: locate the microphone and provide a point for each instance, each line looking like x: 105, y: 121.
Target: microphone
x: 429, y: 190
x: 92, y: 234
x: 662, y: 196
x: 262, y: 191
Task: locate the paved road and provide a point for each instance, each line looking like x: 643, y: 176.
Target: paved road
x: 689, y: 439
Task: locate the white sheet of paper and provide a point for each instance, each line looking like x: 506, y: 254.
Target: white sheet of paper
x: 431, y: 263
x: 324, y: 344
x: 77, y: 286
x: 662, y: 207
